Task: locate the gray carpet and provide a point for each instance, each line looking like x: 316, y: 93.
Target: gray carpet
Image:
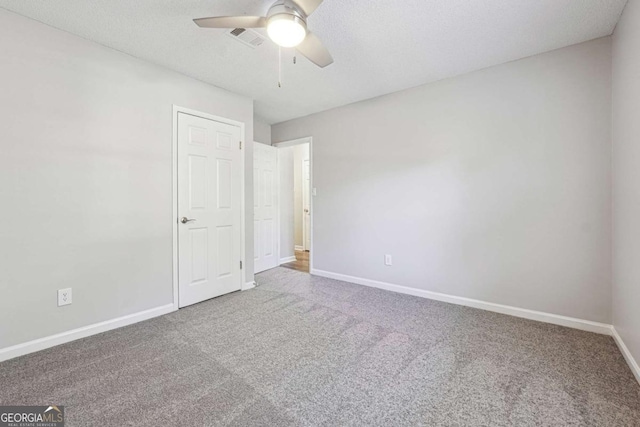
x: 302, y: 350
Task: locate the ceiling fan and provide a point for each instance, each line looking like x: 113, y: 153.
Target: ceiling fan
x: 286, y: 24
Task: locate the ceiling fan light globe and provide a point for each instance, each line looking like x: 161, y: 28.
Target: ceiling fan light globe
x: 286, y: 30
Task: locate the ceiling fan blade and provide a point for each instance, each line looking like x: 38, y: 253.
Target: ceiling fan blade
x: 232, y: 22
x: 308, y: 6
x: 313, y: 49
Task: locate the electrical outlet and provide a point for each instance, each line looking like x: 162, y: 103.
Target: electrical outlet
x: 388, y: 260
x: 64, y: 297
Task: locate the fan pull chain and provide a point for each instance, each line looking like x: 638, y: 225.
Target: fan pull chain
x: 279, y: 66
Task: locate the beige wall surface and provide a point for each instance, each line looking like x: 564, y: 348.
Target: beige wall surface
x: 261, y: 131
x: 494, y: 185
x: 86, y: 173
x: 626, y: 178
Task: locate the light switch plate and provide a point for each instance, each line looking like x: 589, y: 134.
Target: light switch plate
x: 388, y: 260
x: 64, y: 297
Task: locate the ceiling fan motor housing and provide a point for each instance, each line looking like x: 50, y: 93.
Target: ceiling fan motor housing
x: 288, y: 8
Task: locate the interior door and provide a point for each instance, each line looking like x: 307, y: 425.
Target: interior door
x: 306, y: 205
x: 265, y: 207
x: 209, y: 209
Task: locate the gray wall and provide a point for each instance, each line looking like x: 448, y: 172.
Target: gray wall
x: 493, y: 185
x: 261, y: 131
x: 626, y: 178
x: 85, y: 175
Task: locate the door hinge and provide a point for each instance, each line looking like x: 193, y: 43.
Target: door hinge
x: 240, y: 265
x: 241, y: 145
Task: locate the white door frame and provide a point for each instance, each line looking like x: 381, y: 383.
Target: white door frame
x: 304, y: 219
x: 174, y: 160
x: 291, y: 143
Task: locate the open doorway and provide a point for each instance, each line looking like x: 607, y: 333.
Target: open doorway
x: 295, y: 170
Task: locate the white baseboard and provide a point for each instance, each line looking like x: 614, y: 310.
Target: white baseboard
x: 248, y: 285
x: 85, y: 331
x: 626, y: 353
x: 287, y: 259
x: 585, y: 325
x: 298, y: 248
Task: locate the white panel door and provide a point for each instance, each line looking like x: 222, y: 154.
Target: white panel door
x: 306, y: 205
x: 209, y: 209
x: 265, y: 206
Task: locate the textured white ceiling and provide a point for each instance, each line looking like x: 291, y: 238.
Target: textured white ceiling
x: 379, y: 46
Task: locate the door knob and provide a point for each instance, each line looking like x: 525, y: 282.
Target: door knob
x: 306, y: 211
x: 185, y: 220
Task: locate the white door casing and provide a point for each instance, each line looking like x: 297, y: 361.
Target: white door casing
x: 306, y: 204
x: 209, y: 193
x: 265, y: 207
